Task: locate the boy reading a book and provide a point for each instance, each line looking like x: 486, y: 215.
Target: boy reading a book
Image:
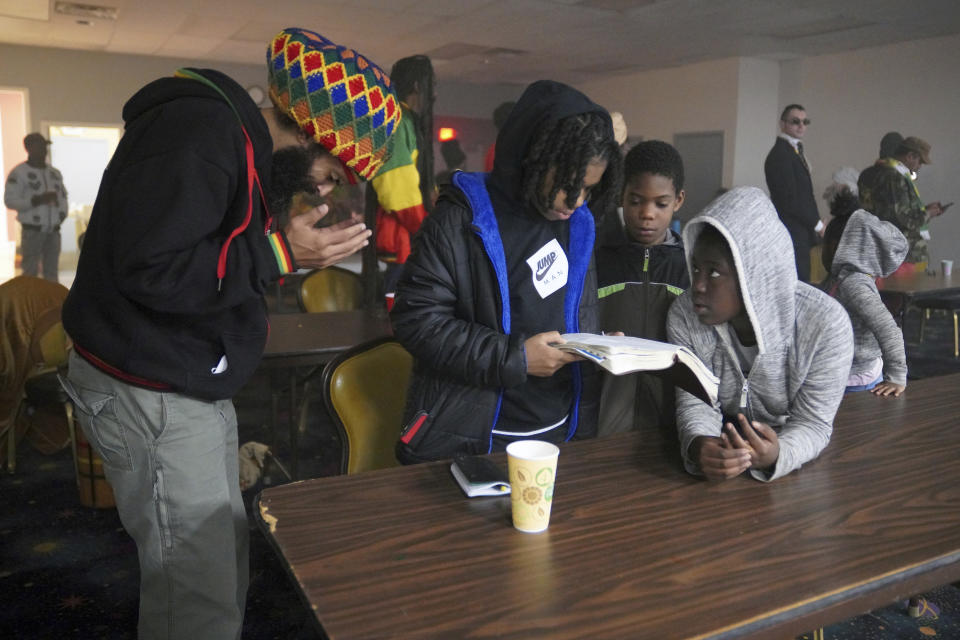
x: 781, y: 348
x: 640, y: 274
x: 858, y: 248
x: 502, y: 264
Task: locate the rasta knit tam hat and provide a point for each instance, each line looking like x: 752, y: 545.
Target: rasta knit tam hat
x: 339, y: 98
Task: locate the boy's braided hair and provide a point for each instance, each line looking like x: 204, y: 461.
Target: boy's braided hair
x: 566, y: 147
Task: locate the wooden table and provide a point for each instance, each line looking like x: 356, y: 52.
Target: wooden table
x: 309, y: 339
x: 300, y: 340
x: 902, y: 290
x: 636, y: 547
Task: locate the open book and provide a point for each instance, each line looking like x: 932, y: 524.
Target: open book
x: 625, y: 354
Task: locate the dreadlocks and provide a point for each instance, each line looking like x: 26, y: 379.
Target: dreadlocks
x: 415, y: 73
x: 567, y: 146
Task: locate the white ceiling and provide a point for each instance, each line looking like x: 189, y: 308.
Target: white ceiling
x: 489, y: 41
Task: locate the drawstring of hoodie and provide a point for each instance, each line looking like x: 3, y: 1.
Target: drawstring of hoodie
x: 252, y: 178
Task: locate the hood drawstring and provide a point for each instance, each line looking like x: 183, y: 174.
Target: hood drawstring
x: 252, y: 177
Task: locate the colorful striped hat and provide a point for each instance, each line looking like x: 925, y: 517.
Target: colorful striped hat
x: 338, y: 97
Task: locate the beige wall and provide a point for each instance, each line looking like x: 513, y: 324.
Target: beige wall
x: 738, y: 96
x: 758, y: 108
x: 658, y: 104
x: 853, y: 98
x: 914, y: 88
x: 91, y: 87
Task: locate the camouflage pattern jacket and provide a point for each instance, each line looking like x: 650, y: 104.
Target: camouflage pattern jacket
x: 889, y: 193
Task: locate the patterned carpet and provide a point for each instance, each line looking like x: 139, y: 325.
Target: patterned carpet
x: 68, y: 571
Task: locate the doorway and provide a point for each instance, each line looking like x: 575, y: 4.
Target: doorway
x: 702, y: 155
x: 81, y: 153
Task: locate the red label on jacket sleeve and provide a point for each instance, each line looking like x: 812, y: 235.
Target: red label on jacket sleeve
x: 413, y: 427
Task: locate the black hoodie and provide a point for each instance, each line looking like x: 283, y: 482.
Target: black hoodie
x: 524, y: 231
x: 147, y: 304
x: 450, y: 312
x: 544, y: 101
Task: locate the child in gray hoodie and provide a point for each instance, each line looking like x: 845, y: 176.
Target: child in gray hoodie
x: 859, y: 248
x: 781, y: 348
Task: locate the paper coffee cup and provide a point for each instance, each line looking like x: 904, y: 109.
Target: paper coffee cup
x: 532, y: 465
x: 947, y: 267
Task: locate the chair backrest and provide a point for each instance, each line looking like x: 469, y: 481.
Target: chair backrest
x: 50, y: 344
x: 331, y: 289
x: 365, y: 390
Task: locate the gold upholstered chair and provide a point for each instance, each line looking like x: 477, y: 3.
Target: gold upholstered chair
x: 330, y: 289
x: 365, y: 390
x: 41, y: 389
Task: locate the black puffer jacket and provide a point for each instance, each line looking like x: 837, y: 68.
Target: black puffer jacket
x: 659, y: 275
x: 637, y: 286
x: 449, y: 310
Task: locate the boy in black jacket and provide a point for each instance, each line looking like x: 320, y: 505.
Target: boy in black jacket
x: 640, y: 275
x: 167, y: 311
x: 499, y: 269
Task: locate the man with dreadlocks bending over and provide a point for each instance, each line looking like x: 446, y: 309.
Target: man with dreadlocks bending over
x: 499, y: 269
x: 404, y: 187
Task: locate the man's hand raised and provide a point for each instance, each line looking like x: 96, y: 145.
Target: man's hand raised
x: 319, y: 248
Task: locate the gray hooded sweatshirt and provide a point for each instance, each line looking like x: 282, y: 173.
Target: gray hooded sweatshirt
x: 870, y: 249
x: 804, y: 339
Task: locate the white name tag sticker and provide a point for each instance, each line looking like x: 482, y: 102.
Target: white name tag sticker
x: 548, y: 268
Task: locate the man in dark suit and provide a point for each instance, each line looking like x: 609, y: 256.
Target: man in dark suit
x: 791, y: 189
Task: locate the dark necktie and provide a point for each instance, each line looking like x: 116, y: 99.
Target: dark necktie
x: 802, y: 158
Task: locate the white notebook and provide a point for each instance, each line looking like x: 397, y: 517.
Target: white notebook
x: 479, y: 476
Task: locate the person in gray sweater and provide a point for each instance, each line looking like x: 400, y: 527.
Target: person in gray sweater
x: 858, y: 249
x: 781, y: 348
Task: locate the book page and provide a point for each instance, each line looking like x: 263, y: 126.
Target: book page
x: 696, y: 365
x: 620, y: 344
x: 625, y: 354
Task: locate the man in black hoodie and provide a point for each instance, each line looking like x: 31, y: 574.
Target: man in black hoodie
x: 167, y: 311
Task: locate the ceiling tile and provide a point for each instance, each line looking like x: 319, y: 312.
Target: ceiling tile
x: 563, y: 39
x: 27, y: 9
x: 143, y: 42
x: 178, y: 46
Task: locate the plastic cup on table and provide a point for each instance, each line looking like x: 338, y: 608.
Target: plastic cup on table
x: 532, y: 466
